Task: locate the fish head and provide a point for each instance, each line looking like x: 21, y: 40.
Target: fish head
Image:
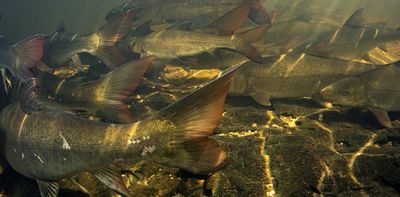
x: 349, y: 92
x: 136, y: 45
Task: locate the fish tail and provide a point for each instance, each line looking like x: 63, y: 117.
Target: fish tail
x: 28, y: 53
x: 247, y: 38
x: 109, y: 36
x: 196, y: 116
x: 112, y: 89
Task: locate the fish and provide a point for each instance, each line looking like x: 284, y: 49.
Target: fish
x: 102, y: 97
x: 377, y: 90
x: 174, y: 43
x: 200, y: 13
x: 291, y: 76
x: 352, y: 41
x: 21, y: 57
x: 47, y: 144
x: 63, y: 47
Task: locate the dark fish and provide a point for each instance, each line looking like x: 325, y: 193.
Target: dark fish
x: 48, y: 144
x: 353, y: 41
x: 291, y: 76
x: 103, y: 97
x: 62, y: 47
x: 21, y: 57
x: 377, y: 90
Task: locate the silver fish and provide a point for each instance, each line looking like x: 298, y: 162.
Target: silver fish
x: 291, y: 76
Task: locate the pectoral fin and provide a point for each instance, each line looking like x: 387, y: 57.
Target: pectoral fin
x: 48, y: 189
x: 381, y: 116
x: 261, y: 98
x: 111, y: 177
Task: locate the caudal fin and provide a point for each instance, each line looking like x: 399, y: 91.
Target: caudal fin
x: 27, y: 54
x: 110, y: 35
x: 247, y: 38
x: 116, y: 86
x: 195, y: 117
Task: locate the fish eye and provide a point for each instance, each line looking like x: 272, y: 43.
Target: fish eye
x: 347, y: 93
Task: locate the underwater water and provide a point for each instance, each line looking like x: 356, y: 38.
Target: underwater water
x: 199, y: 98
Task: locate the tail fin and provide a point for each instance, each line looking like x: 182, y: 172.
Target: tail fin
x: 195, y: 117
x: 27, y: 54
x: 247, y: 38
x: 110, y: 35
x: 113, y: 88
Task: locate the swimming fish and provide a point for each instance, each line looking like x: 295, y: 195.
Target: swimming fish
x: 174, y: 43
x: 63, y: 47
x: 200, y: 13
x: 291, y: 76
x: 103, y: 97
x: 353, y: 41
x: 48, y: 144
x: 22, y: 56
x: 377, y: 90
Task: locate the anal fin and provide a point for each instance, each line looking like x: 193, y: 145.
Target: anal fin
x: 48, y: 189
x: 111, y: 177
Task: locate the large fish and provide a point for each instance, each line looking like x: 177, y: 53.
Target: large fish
x: 174, y: 43
x: 291, y: 76
x: 103, y: 97
x: 62, y: 47
x: 21, y: 57
x: 353, y: 41
x: 200, y: 13
x: 377, y: 90
x: 48, y: 144
x: 282, y: 38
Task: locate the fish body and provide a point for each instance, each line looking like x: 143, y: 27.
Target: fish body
x: 62, y: 47
x: 172, y: 43
x: 64, y: 144
x: 175, y: 43
x: 291, y: 76
x: 351, y: 43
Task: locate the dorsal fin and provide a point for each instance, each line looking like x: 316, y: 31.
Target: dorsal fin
x: 232, y: 20
x: 60, y: 27
x: 356, y: 20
